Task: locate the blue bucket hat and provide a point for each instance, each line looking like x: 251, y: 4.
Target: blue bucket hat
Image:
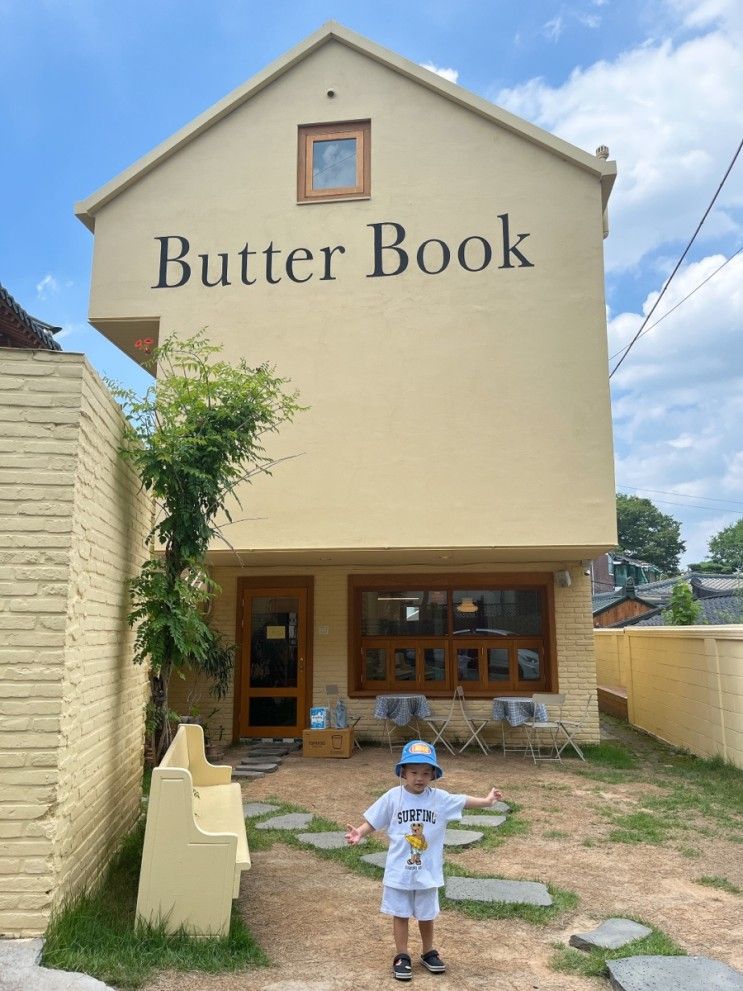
x: 419, y: 752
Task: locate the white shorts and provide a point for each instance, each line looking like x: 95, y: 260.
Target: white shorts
x: 421, y: 904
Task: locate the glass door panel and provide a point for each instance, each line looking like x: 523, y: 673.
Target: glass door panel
x: 273, y: 670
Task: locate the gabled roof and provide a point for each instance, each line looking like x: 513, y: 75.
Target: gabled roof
x: 605, y: 600
x: 19, y: 329
x: 602, y: 169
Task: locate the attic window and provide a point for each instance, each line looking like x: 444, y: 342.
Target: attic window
x: 334, y: 162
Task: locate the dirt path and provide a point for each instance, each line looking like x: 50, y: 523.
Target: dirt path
x: 320, y: 925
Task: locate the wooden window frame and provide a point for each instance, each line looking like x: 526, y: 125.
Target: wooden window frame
x: 483, y: 688
x: 309, y: 134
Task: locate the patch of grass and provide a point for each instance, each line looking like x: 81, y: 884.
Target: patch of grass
x: 690, y: 852
x: 95, y: 933
x: 638, y: 827
x: 719, y: 882
x: 612, y: 755
x: 593, y: 962
x: 556, y: 834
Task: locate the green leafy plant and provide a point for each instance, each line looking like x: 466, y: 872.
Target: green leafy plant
x: 192, y: 438
x: 683, y: 610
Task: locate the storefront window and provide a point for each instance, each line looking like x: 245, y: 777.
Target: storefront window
x: 412, y: 637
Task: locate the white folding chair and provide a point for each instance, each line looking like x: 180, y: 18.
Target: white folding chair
x: 475, y: 725
x: 438, y: 724
x: 572, y: 726
x: 332, y: 696
x: 550, y: 727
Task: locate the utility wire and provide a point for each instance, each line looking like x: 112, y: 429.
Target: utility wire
x: 678, y: 263
x: 668, y: 312
x: 680, y: 495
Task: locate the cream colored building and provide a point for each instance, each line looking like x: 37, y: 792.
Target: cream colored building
x: 427, y: 269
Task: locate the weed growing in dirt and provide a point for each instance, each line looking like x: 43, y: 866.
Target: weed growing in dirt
x: 593, y: 963
x: 719, y: 882
x: 95, y: 933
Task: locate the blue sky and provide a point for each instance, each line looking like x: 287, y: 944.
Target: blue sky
x: 88, y: 86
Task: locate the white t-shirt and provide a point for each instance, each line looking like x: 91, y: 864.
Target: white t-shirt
x: 415, y: 825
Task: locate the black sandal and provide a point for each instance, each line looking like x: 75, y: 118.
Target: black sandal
x: 433, y: 962
x: 402, y: 967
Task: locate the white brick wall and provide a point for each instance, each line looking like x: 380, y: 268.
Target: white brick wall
x: 72, y: 524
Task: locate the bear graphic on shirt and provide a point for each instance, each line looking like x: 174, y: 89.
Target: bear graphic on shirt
x: 417, y: 843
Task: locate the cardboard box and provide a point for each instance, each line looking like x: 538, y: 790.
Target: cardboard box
x: 327, y: 743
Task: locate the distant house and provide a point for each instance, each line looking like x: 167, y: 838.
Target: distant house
x: 612, y: 571
x: 720, y: 598
x: 19, y: 329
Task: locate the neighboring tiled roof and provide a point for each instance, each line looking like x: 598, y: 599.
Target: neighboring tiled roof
x: 605, y: 600
x: 716, y: 610
x: 20, y: 329
x: 659, y: 593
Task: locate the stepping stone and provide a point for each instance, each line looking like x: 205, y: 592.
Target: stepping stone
x: 324, y: 841
x: 610, y: 935
x: 376, y: 859
x: 268, y: 752
x: 253, y: 809
x: 293, y: 820
x: 246, y: 775
x: 21, y: 953
x: 495, y: 890
x: 257, y: 765
x: 673, y: 974
x: 461, y: 837
x: 500, y: 807
x: 491, y: 821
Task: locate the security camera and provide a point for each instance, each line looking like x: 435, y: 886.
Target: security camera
x: 330, y: 93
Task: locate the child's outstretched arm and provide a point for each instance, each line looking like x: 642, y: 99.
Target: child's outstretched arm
x: 356, y: 834
x: 490, y: 799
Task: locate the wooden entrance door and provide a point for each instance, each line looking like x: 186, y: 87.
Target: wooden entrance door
x: 275, y: 664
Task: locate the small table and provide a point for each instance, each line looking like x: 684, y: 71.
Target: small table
x: 399, y: 710
x: 516, y: 710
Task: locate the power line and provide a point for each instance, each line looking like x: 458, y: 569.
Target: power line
x: 690, y: 505
x: 688, y: 296
x: 680, y: 495
x: 678, y: 263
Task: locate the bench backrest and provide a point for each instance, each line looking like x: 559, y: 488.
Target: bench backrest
x: 186, y: 751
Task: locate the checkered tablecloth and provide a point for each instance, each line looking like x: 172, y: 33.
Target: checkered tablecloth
x: 400, y: 709
x: 517, y: 711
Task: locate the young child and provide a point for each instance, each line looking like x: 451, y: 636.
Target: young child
x: 415, y: 815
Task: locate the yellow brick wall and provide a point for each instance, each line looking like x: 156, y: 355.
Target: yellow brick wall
x: 72, y: 524
x: 684, y: 683
x: 574, y: 635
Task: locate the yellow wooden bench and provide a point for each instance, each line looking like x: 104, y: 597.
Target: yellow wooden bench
x: 195, y: 847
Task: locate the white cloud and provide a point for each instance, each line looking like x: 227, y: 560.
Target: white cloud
x: 47, y: 287
x: 589, y: 20
x: 678, y: 400
x: 671, y: 115
x: 553, y: 28
x: 451, y: 74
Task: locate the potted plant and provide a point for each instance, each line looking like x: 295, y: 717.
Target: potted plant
x: 214, y: 745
